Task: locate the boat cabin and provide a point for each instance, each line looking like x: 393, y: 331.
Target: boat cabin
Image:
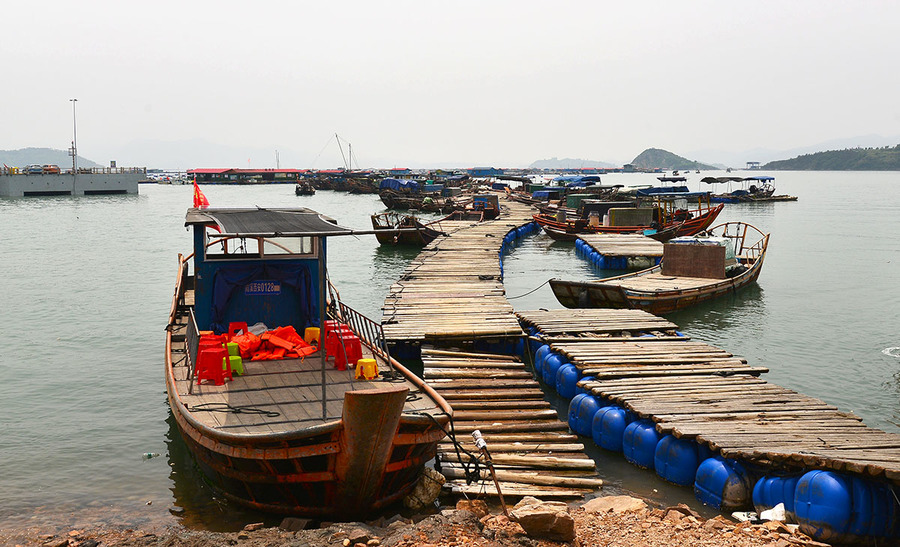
x: 706, y: 257
x: 259, y: 266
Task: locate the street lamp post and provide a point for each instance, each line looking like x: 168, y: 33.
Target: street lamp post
x: 74, y: 139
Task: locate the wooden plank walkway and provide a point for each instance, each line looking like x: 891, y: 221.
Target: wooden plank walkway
x: 532, y: 450
x: 454, y: 289
x: 624, y: 245
x: 700, y: 392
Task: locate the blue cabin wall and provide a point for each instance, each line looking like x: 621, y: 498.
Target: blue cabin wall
x: 255, y: 291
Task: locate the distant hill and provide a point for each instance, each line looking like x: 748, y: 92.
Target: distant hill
x: 652, y: 158
x: 568, y: 163
x: 851, y: 159
x: 42, y: 156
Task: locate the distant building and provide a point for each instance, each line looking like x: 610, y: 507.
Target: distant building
x: 752, y: 165
x: 484, y: 172
x: 245, y: 176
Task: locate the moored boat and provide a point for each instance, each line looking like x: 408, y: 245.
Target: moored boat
x: 303, y: 426
x: 392, y: 228
x: 753, y: 190
x: 693, y: 270
x: 667, y: 211
x: 304, y: 189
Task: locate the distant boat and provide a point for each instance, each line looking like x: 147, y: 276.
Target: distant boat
x: 753, y: 189
x: 693, y: 270
x: 304, y: 189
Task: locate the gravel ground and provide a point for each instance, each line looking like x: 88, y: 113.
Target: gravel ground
x: 465, y: 525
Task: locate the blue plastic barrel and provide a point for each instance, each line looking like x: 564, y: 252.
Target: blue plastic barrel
x: 676, y: 460
x: 581, y: 420
x: 573, y: 409
x: 723, y: 484
x: 770, y: 490
x: 539, y: 356
x: 639, y: 443
x: 837, y: 508
x: 608, y: 427
x: 551, y: 365
x: 579, y: 389
x: 566, y: 379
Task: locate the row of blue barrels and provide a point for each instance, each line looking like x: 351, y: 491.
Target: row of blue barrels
x: 828, y: 506
x: 600, y: 261
x: 509, y: 240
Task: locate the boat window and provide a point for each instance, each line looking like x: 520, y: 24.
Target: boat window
x: 252, y: 247
x: 288, y: 246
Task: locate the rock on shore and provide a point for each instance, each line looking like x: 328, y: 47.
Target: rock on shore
x: 611, y: 520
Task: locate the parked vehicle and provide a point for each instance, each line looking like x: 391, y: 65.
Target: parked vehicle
x: 33, y: 169
x: 50, y: 169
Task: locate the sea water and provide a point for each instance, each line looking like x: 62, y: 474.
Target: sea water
x: 87, y: 285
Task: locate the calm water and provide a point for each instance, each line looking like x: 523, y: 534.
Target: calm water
x: 89, y: 282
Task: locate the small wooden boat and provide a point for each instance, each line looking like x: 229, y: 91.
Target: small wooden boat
x: 693, y: 270
x: 759, y: 189
x: 392, y: 228
x: 291, y: 436
x: 304, y: 189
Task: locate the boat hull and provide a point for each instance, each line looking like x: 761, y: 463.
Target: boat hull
x: 564, y: 228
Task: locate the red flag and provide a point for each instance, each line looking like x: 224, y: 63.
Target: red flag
x: 199, y: 199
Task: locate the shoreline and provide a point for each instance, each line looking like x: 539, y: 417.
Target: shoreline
x: 608, y: 520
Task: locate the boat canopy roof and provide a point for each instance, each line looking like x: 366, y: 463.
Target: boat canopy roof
x: 721, y: 180
x: 260, y: 222
x: 577, y: 181
x: 398, y: 184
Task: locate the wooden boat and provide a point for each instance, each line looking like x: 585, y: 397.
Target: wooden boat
x: 392, y: 228
x: 691, y: 272
x: 304, y: 189
x: 661, y: 217
x: 754, y: 190
x: 290, y: 436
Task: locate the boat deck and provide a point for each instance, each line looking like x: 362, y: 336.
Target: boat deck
x: 279, y: 396
x: 657, y: 282
x: 453, y: 290
x: 623, y: 245
x: 700, y: 392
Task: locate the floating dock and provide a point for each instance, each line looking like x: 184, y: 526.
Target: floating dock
x: 702, y: 393
x: 452, y: 292
x: 533, y: 452
x: 628, y: 246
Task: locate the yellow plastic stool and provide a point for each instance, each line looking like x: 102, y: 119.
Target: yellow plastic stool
x: 233, y: 349
x: 366, y: 369
x: 237, y: 364
x: 311, y: 334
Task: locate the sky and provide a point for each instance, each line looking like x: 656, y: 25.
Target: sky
x: 501, y: 83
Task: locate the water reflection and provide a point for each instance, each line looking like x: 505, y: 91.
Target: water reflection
x: 195, y: 503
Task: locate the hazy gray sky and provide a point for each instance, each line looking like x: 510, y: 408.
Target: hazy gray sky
x: 490, y: 82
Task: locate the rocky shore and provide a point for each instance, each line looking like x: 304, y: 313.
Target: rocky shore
x: 611, y: 520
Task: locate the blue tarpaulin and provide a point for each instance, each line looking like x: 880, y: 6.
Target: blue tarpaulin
x: 576, y: 181
x: 399, y: 184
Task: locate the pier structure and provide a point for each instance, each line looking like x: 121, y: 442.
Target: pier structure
x: 452, y: 292
x: 449, y: 309
x: 87, y: 182
x: 620, y: 251
x: 701, y: 393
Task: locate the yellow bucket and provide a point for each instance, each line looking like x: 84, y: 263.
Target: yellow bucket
x: 366, y: 369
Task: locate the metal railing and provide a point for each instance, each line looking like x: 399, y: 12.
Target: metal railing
x: 192, y: 346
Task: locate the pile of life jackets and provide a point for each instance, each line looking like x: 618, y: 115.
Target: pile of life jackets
x: 278, y: 343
